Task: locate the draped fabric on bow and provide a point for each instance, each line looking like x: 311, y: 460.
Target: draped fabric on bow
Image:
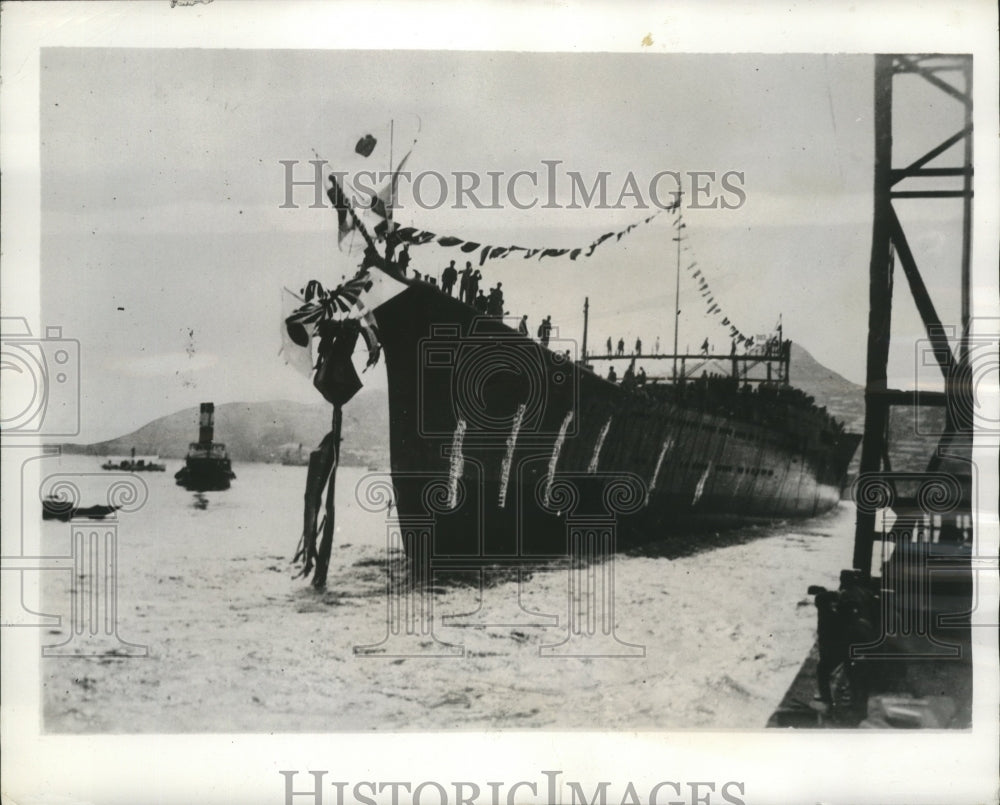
x: 335, y: 320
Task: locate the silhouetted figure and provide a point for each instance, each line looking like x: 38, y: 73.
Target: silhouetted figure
x: 641, y: 377
x: 448, y: 277
x: 404, y: 260
x: 433, y: 281
x: 609, y: 346
x: 481, y: 303
x: 656, y: 346
x: 704, y: 347
x: 463, y: 284
x: 494, y: 302
x: 621, y: 346
x: 638, y: 346
x: 474, y: 286
x: 612, y: 376
x: 522, y: 327
x: 843, y: 619
x: 545, y: 330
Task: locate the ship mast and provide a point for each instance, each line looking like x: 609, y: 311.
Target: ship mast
x: 677, y: 297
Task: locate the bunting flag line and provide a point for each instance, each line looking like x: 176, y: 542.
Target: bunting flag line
x: 712, y: 306
x: 383, y: 200
x: 419, y: 237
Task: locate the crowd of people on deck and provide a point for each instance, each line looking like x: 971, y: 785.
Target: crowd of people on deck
x: 465, y: 284
x: 469, y: 292
x: 491, y: 304
x: 760, y: 402
x: 630, y: 378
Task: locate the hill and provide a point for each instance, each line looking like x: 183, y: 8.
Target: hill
x: 263, y: 431
x: 910, y: 446
x: 842, y: 398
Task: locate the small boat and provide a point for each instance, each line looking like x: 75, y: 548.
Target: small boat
x: 55, y: 509
x: 134, y: 463
x: 207, y: 466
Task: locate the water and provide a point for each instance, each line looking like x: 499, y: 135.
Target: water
x: 235, y: 643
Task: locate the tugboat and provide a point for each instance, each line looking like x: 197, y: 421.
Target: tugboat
x: 207, y: 466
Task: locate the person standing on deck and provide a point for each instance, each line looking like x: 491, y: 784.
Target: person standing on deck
x: 463, y: 285
x: 609, y: 346
x: 612, y: 376
x: 448, y: 277
x: 404, y: 260
x: 494, y: 302
x: 474, y: 286
x: 621, y: 346
x: 522, y: 328
x: 638, y: 346
x: 481, y: 304
x: 656, y: 346
x: 544, y: 330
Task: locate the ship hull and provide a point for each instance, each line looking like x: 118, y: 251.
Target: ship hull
x: 502, y: 450
x: 205, y: 474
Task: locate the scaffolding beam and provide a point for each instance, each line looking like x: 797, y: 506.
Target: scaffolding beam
x: 889, y: 241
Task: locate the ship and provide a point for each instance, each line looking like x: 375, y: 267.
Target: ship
x: 134, y: 463
x: 504, y: 450
x: 505, y: 443
x: 207, y: 466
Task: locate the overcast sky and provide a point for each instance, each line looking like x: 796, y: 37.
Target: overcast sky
x: 164, y: 244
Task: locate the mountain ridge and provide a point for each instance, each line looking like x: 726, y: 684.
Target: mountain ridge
x: 262, y: 431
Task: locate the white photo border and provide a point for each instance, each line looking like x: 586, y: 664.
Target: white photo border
x: 774, y: 766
